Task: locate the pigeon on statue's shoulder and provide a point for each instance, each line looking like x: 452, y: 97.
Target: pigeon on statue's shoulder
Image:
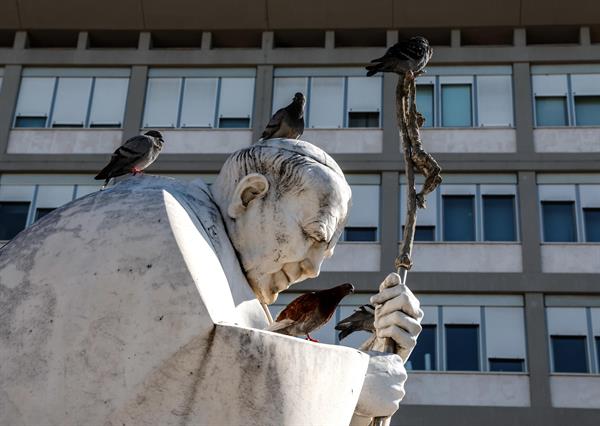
x: 310, y: 311
x: 287, y: 122
x: 133, y: 156
x: 407, y: 55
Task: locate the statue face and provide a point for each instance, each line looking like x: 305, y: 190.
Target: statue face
x: 284, y: 238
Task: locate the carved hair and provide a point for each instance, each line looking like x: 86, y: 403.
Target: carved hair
x: 281, y: 161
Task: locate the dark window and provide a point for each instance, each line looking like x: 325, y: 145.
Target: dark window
x: 425, y: 103
x: 551, y: 111
x: 456, y: 105
x: 592, y: 225
x: 570, y: 355
x: 559, y: 221
x: 499, y: 218
x: 363, y: 119
x: 13, y: 218
x: 462, y: 347
x: 424, y: 233
x: 587, y: 110
x: 234, y: 123
x: 66, y: 125
x: 362, y: 233
x: 459, y: 218
x: 506, y: 364
x: 423, y: 356
x: 104, y: 126
x: 30, y: 122
x: 40, y: 213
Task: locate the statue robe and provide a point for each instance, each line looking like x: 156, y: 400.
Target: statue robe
x: 129, y: 307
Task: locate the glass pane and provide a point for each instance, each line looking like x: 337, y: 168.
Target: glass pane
x: 456, y: 105
x: 569, y: 353
x: 423, y: 356
x: 364, y: 94
x: 509, y: 365
x: 363, y: 119
x: 72, y: 102
x: 162, y: 102
x: 199, y: 101
x: 587, y: 110
x: 551, y: 110
x: 459, y: 218
x: 30, y: 122
x: 499, y: 218
x: 234, y: 123
x: 360, y: 234
x: 494, y: 100
x: 108, y: 102
x: 592, y: 225
x: 40, y: 213
x: 284, y: 89
x: 423, y: 233
x: 236, y: 98
x: 326, y: 102
x: 13, y: 217
x: 425, y: 103
x: 559, y: 221
x: 462, y: 347
x: 35, y: 97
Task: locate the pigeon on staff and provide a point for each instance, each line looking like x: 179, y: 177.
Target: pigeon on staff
x: 362, y: 319
x: 133, y: 156
x: 406, y: 55
x: 310, y: 311
x: 287, y: 122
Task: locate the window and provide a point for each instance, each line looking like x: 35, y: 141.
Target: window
x: 507, y: 365
x: 587, y: 110
x: 41, y: 212
x: 569, y: 354
x: 68, y: 100
x: 499, y: 218
x: 424, y: 233
x: 360, y: 234
x: 425, y: 103
x: 423, y: 356
x: 592, y: 225
x: 462, y: 347
x: 551, y: 111
x: 494, y: 100
x: 198, y: 100
x: 333, y: 100
x: 456, y: 105
x: 458, y: 214
x: 13, y: 218
x: 559, y: 221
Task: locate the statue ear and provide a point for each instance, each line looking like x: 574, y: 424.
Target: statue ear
x: 251, y: 187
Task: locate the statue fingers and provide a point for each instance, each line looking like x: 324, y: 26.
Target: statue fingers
x: 405, y: 302
x: 403, y: 339
x: 391, y: 280
x: 400, y: 319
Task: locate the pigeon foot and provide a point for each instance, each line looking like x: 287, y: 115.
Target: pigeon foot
x: 310, y: 339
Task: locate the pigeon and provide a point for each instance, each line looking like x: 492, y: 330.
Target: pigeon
x: 310, y: 311
x: 406, y: 55
x: 133, y: 156
x: 287, y: 122
x: 362, y: 319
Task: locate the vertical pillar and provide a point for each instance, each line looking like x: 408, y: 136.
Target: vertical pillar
x: 134, y: 106
x: 530, y: 223
x: 263, y: 94
x: 537, y: 351
x: 389, y: 219
x: 523, y: 108
x: 9, y: 93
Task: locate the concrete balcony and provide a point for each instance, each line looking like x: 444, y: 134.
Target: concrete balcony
x: 567, y: 139
x: 472, y: 140
x: 64, y: 141
x: 582, y: 258
x: 354, y: 257
x: 346, y: 141
x: 475, y: 389
x: 467, y: 257
x: 575, y: 390
x: 205, y: 141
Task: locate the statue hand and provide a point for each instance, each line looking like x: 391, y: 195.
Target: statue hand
x: 398, y: 314
x: 383, y: 388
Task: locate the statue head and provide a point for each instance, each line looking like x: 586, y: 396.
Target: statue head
x: 285, y: 204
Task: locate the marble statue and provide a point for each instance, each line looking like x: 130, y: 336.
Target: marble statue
x: 141, y: 304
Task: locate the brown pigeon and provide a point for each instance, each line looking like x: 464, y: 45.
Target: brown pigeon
x: 310, y: 311
x: 287, y: 122
x: 362, y: 319
x: 133, y: 156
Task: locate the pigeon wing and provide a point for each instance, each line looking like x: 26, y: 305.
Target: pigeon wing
x: 126, y: 156
x: 274, y: 124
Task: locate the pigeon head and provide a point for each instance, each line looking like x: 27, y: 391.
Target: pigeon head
x: 342, y: 290
x: 299, y: 97
x: 154, y: 134
x: 420, y: 40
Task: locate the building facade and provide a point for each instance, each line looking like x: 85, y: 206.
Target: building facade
x: 507, y: 262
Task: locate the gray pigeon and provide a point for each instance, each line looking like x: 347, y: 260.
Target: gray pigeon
x: 407, y: 55
x: 287, y: 122
x: 362, y: 319
x: 133, y: 156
